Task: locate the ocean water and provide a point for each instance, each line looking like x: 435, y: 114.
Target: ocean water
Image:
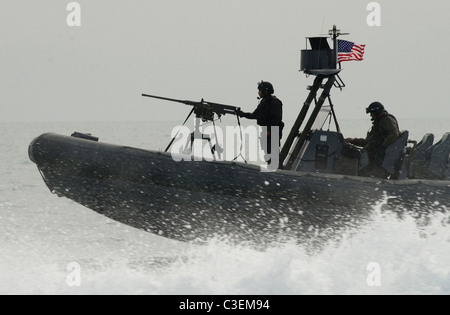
x: 51, y: 245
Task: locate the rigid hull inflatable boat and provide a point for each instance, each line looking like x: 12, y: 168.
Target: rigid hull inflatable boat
x: 319, y: 184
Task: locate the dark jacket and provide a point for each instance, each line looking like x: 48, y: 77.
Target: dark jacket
x: 268, y: 113
x: 384, y: 132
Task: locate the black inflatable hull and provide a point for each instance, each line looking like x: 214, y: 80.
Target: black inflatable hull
x: 197, y: 200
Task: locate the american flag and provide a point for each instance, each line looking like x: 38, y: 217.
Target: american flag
x: 348, y: 51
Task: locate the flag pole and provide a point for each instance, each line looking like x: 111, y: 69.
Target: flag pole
x: 335, y: 32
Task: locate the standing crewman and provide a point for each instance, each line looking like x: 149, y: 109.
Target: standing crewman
x: 383, y: 133
x: 268, y: 114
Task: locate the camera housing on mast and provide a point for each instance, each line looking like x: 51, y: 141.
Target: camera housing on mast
x: 320, y: 58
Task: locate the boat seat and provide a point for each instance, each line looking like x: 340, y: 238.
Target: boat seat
x: 437, y: 158
x: 363, y: 160
x: 393, y: 161
x: 416, y: 159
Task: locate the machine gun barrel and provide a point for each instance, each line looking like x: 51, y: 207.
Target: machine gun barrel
x: 202, y: 106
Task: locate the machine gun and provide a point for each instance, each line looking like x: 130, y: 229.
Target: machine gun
x: 203, y: 109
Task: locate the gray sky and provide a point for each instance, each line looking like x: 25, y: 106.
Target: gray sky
x: 216, y: 50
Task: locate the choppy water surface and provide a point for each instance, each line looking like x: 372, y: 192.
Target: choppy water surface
x: 50, y: 245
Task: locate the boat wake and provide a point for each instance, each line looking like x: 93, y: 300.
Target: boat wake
x: 410, y: 254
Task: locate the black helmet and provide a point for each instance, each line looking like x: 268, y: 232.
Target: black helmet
x: 266, y: 87
x: 375, y: 108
